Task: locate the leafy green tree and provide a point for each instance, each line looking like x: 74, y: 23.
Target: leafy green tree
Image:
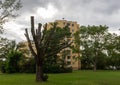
x: 113, y: 50
x: 57, y: 39
x: 86, y: 58
x: 102, y: 62
x: 8, y: 10
x: 92, y: 42
x: 10, y: 54
x: 12, y: 63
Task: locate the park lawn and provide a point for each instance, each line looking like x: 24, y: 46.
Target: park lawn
x: 75, y: 78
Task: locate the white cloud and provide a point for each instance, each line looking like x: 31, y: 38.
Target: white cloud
x: 48, y: 12
x: 12, y: 31
x: 85, y: 12
x: 15, y: 29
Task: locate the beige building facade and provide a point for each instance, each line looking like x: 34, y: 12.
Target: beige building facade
x: 72, y: 59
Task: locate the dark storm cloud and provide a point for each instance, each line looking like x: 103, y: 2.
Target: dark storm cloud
x: 31, y: 5
x: 105, y: 6
x: 92, y: 11
x: 102, y: 6
x: 97, y: 6
x: 85, y: 12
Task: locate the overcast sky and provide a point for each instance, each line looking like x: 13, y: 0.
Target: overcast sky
x: 85, y: 12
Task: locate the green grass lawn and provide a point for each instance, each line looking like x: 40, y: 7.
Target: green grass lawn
x: 75, y: 78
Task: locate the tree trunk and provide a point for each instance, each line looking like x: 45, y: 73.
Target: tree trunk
x: 95, y: 62
x: 95, y: 68
x: 79, y: 61
x: 39, y: 72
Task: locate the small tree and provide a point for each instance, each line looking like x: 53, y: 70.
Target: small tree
x: 12, y: 62
x: 42, y: 41
x: 92, y: 42
x: 8, y: 10
x: 10, y: 56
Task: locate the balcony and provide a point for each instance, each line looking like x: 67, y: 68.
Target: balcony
x: 68, y: 60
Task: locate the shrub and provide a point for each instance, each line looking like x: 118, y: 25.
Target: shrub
x: 55, y: 68
x: 45, y: 77
x: 27, y: 65
x: 12, y: 62
x: 2, y: 66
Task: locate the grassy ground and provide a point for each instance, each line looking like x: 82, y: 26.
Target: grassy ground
x: 75, y: 78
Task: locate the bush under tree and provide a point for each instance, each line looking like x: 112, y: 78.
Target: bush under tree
x: 12, y: 63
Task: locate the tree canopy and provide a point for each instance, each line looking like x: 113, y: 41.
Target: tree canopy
x: 8, y: 10
x: 92, y: 43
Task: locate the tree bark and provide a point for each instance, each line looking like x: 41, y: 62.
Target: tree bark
x: 95, y: 62
x: 95, y: 66
x: 39, y: 72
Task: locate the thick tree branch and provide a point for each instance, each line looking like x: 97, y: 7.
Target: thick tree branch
x: 58, y: 50
x: 39, y: 33
x: 29, y: 43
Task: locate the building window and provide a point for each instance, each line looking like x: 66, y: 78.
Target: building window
x: 68, y: 57
x: 68, y: 52
x: 72, y: 25
x: 68, y: 24
x: 72, y: 30
x: 68, y: 62
x: 64, y: 23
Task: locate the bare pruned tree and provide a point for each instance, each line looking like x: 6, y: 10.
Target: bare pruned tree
x: 42, y: 40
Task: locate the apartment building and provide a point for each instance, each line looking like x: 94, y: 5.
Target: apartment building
x: 71, y: 59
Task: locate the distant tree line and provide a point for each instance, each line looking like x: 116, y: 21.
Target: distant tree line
x: 99, y: 49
